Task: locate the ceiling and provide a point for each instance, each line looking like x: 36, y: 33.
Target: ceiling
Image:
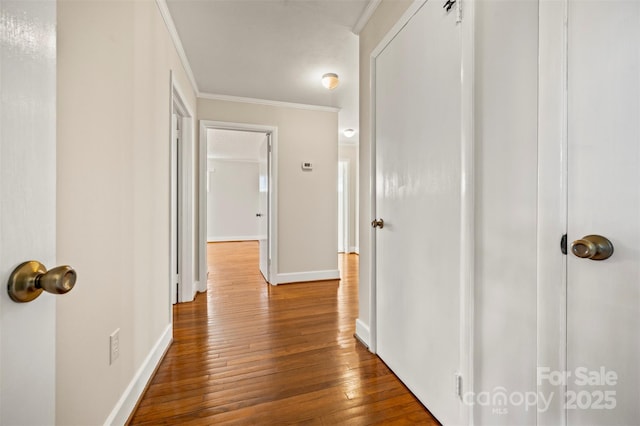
x: 275, y: 50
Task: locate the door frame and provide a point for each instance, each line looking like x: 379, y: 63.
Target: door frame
x: 467, y: 192
x: 552, y: 201
x: 273, y: 184
x: 188, y: 256
x: 344, y: 169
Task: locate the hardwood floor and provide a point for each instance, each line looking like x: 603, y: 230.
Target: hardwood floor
x: 248, y: 353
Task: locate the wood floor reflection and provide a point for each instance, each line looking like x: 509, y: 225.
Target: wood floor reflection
x: 248, y: 353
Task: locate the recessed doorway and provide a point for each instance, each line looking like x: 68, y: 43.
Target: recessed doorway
x: 240, y: 188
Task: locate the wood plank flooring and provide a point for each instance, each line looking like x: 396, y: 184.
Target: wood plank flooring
x: 247, y: 353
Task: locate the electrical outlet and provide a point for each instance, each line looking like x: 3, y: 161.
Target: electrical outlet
x: 114, y: 346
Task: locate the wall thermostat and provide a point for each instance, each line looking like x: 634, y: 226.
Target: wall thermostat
x: 307, y: 166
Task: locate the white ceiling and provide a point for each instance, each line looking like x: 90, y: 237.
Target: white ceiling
x: 274, y: 49
x: 234, y: 144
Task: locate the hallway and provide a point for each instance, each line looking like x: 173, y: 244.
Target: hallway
x: 249, y: 353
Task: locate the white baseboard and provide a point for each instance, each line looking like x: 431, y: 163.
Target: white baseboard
x: 200, y: 286
x: 297, y: 277
x: 124, y: 407
x: 232, y: 238
x: 354, y: 249
x: 363, y: 333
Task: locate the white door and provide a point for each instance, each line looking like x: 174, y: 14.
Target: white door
x: 27, y: 207
x: 603, y: 297
x: 418, y: 171
x: 263, y: 206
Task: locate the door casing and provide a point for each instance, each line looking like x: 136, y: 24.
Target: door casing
x: 191, y: 253
x: 273, y: 184
x: 552, y: 201
x: 343, y: 206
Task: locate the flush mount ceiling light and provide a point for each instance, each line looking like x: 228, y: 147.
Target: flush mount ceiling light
x: 330, y: 80
x: 349, y: 133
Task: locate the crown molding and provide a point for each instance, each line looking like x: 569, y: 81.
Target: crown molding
x: 255, y: 101
x: 367, y: 13
x: 173, y: 33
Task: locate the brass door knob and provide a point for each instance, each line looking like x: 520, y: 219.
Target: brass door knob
x: 377, y: 223
x: 594, y: 247
x: 29, y: 279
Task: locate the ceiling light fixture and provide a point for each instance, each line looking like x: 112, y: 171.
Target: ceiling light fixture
x: 330, y: 80
x: 349, y: 133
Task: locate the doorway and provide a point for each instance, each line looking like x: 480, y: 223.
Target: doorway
x: 418, y: 235
x: 343, y: 207
x: 240, y: 190
x: 185, y: 259
x: 348, y: 181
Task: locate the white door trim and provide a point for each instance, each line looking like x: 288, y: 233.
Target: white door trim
x: 174, y: 251
x: 273, y: 183
x: 552, y: 202
x: 467, y: 217
x: 467, y: 207
x: 344, y: 170
x: 191, y: 262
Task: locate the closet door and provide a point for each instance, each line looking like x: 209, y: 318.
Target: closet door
x: 418, y: 169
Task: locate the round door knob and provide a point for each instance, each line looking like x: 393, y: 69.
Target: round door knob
x: 377, y: 223
x: 59, y: 280
x: 30, y: 279
x: 594, y: 247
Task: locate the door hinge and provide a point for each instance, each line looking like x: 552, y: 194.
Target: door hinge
x: 458, y: 385
x: 563, y: 244
x: 448, y: 5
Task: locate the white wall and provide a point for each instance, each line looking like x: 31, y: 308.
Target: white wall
x: 307, y: 201
x: 506, y: 115
x: 233, y: 200
x: 506, y: 193
x: 113, y: 151
x: 349, y: 153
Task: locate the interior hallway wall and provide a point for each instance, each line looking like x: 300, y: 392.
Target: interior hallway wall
x: 506, y: 140
x: 307, y: 200
x: 113, y: 160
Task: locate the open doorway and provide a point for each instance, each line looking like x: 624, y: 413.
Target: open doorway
x: 343, y: 207
x: 185, y: 275
x: 240, y: 188
x: 348, y: 220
